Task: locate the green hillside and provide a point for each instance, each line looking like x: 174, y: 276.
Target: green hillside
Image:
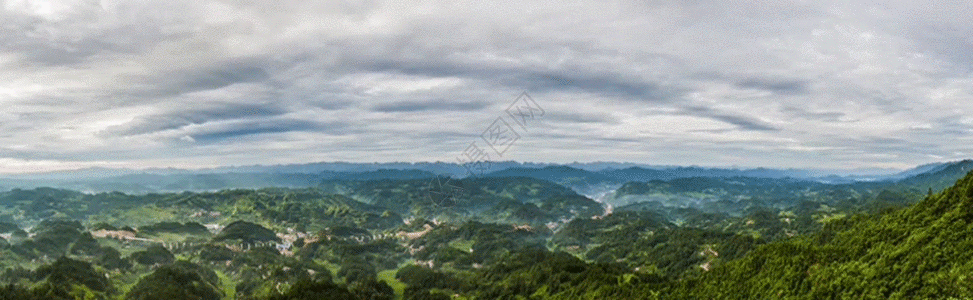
x: 922, y: 252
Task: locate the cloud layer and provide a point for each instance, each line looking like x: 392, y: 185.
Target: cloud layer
x: 145, y: 83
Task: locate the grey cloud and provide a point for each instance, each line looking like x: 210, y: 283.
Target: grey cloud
x: 779, y: 86
x: 953, y: 126
x: 593, y: 118
x: 821, y: 116
x: 536, y: 79
x: 204, y: 78
x: 743, y: 122
x: 948, y: 42
x: 885, y: 140
x: 249, y: 128
x: 881, y: 144
x: 280, y: 67
x: 46, y: 54
x: 607, y: 85
x: 83, y: 34
x: 330, y: 104
x: 716, y: 131
x: 222, y: 76
x: 414, y: 106
x: 182, y: 118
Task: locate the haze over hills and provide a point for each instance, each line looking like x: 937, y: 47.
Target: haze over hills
x: 304, y: 175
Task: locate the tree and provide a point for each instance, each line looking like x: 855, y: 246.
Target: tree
x: 15, y: 292
x: 180, y: 280
x: 246, y: 232
x: 371, y: 289
x: 154, y: 255
x: 306, y: 289
x: 112, y: 259
x: 61, y: 277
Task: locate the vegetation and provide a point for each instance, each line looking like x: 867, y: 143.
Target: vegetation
x: 411, y: 237
x: 181, y: 280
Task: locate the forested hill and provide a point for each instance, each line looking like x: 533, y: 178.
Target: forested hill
x: 940, y: 177
x: 493, y: 238
x: 922, y: 252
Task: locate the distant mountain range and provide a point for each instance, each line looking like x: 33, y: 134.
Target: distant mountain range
x: 576, y: 175
x: 938, y: 176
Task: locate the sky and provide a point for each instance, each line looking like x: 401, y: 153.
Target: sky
x: 203, y: 83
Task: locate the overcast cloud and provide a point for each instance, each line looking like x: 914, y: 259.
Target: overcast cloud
x: 200, y: 83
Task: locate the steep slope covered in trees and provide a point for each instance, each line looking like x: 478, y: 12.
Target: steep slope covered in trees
x: 922, y: 252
